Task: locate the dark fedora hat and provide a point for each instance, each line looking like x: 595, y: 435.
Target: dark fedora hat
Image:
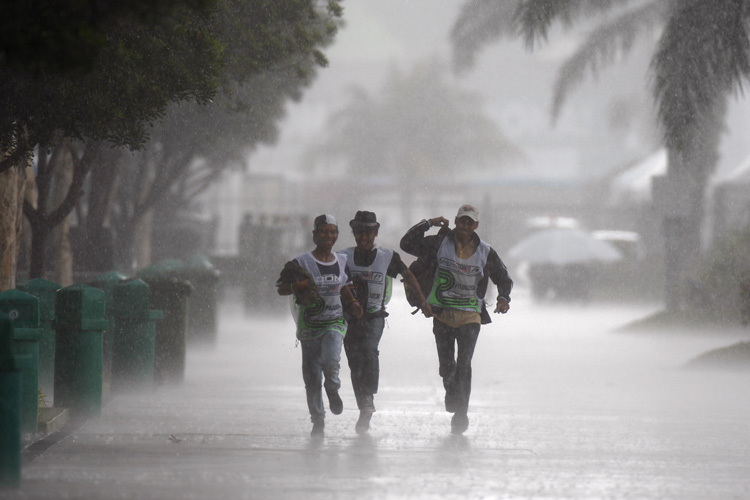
x: 364, y: 220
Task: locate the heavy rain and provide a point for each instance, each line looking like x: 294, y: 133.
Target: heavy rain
x: 171, y: 191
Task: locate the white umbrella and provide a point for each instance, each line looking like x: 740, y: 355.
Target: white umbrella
x: 545, y: 221
x: 563, y: 246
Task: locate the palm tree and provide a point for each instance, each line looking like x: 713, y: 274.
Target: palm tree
x: 418, y: 126
x: 701, y: 57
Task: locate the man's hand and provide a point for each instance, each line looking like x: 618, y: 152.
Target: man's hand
x: 426, y: 308
x: 440, y: 221
x: 355, y: 309
x: 502, y: 305
x: 306, y: 291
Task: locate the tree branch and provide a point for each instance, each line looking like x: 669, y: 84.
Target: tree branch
x: 167, y: 178
x: 31, y: 213
x: 197, y: 185
x: 81, y: 168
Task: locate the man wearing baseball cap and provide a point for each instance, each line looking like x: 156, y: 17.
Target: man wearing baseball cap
x: 319, y: 281
x: 465, y: 264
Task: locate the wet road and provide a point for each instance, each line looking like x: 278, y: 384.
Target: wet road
x: 562, y: 407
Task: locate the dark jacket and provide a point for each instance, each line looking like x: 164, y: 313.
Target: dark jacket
x: 417, y: 244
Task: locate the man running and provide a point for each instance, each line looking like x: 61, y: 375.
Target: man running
x: 372, y: 270
x: 318, y: 280
x: 464, y: 265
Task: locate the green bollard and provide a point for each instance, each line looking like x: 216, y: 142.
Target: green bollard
x: 134, y: 337
x: 107, y: 282
x: 79, y: 324
x: 23, y: 311
x: 202, y: 313
x: 169, y: 294
x: 45, y: 290
x: 10, y: 408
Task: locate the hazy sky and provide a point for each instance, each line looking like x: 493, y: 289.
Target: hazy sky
x: 516, y: 87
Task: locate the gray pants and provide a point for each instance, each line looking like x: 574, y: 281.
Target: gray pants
x: 320, y: 358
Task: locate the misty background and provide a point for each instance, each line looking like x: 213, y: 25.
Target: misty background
x: 593, y: 164
x: 389, y: 107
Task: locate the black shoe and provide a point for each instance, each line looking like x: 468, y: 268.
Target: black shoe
x: 363, y: 423
x: 451, y: 404
x: 459, y: 423
x: 334, y: 400
x: 318, y: 429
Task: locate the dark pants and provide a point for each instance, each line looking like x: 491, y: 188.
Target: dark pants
x: 361, y: 345
x: 455, y: 368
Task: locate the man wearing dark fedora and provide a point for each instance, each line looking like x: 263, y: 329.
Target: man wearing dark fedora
x: 372, y: 269
x: 465, y: 263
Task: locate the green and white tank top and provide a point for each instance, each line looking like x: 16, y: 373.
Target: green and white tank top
x: 326, y: 313
x: 456, y: 280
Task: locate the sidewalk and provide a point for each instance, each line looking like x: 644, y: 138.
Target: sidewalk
x: 557, y: 412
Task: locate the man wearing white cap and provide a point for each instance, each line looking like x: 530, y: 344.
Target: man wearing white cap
x: 319, y: 282
x: 464, y: 264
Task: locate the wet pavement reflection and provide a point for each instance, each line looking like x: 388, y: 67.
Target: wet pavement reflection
x: 563, y: 406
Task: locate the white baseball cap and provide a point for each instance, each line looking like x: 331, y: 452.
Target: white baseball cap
x: 322, y: 220
x: 468, y: 211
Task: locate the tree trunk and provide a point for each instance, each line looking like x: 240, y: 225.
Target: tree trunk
x: 39, y: 234
x: 9, y: 216
x: 24, y: 238
x: 44, y: 218
x: 680, y: 195
x: 97, y: 238
x: 38, y: 215
x: 142, y: 240
x: 680, y: 198
x: 23, y: 173
x: 141, y: 223
x: 61, y: 252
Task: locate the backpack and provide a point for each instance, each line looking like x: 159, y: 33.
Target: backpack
x: 424, y: 270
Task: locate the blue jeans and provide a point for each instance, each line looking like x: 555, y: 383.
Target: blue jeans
x: 361, y: 344
x: 455, y: 368
x: 321, y: 357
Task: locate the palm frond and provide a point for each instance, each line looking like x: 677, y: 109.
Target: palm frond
x: 478, y: 23
x: 534, y: 18
x: 604, y: 44
x: 703, y: 55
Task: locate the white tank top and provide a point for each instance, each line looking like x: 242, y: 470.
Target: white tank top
x: 378, y: 282
x: 456, y: 280
x: 326, y: 313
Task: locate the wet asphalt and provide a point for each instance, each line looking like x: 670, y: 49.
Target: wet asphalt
x: 563, y: 406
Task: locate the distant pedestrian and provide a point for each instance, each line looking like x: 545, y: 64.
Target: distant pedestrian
x: 464, y: 265
x: 318, y: 280
x: 372, y: 270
